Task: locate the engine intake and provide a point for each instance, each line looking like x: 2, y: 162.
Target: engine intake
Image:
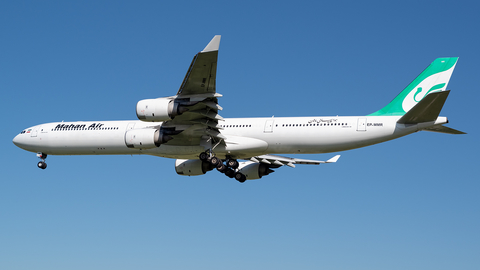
x: 160, y: 109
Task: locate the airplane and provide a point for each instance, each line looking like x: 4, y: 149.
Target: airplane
x: 187, y: 127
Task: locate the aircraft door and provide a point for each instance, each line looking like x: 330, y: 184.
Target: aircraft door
x: 130, y: 125
x: 362, y: 124
x: 35, y: 131
x: 268, y: 126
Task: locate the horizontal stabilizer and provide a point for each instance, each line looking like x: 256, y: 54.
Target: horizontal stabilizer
x: 443, y: 129
x: 427, y: 110
x: 333, y: 159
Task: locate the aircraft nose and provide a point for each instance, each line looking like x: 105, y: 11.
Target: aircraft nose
x: 19, y: 141
x: 16, y: 140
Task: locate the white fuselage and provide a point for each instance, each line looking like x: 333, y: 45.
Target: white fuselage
x: 244, y: 137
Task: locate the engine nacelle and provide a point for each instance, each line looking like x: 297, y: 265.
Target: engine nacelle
x: 253, y: 170
x: 192, y: 167
x: 145, y: 138
x: 160, y: 109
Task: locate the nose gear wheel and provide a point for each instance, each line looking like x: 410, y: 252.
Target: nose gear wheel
x: 42, y: 164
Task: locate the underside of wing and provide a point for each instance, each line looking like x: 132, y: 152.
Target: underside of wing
x: 198, y: 124
x: 281, y: 161
x: 201, y: 75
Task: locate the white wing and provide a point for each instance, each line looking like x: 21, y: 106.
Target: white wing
x: 197, y: 93
x: 280, y: 161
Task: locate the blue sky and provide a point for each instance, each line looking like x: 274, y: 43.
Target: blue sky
x: 411, y: 203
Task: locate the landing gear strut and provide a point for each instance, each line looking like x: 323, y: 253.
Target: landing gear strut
x: 42, y: 165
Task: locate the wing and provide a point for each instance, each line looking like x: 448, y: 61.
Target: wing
x: 199, y: 123
x: 280, y: 161
x: 201, y: 74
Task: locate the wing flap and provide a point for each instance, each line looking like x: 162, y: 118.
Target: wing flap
x: 212, y: 105
x: 208, y: 114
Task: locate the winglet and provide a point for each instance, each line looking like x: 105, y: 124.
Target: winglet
x: 213, y: 45
x: 333, y: 159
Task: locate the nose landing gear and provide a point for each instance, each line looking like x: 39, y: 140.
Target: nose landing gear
x: 42, y: 165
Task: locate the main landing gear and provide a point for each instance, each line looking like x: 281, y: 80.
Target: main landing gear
x: 229, y: 168
x: 42, y: 165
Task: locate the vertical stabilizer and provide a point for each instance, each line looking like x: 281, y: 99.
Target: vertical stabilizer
x: 433, y: 79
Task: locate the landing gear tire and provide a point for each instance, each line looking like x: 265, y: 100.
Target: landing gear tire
x: 221, y: 167
x: 215, y: 161
x: 42, y: 165
x: 240, y: 177
x: 230, y: 173
x: 42, y: 156
x: 203, y: 156
x: 232, y: 163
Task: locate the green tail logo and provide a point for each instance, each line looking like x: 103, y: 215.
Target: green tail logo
x: 434, y: 78
x: 419, y: 90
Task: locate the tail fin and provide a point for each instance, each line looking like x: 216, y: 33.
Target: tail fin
x: 433, y: 79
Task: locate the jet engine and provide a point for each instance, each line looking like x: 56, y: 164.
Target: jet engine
x: 160, y: 109
x: 145, y: 138
x: 253, y: 170
x: 192, y: 167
